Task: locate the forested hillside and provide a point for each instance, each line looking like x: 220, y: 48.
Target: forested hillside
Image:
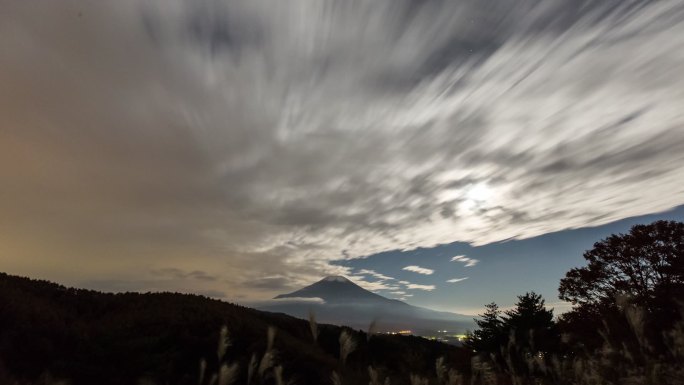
x: 88, y: 337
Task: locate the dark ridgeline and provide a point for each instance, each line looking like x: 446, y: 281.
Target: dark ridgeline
x: 346, y: 303
x: 89, y: 337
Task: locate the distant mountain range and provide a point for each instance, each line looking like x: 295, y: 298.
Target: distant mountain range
x: 342, y: 302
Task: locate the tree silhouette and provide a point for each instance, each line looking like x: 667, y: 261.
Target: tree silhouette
x: 531, y: 324
x: 646, y: 265
x: 489, y: 335
x: 512, y: 338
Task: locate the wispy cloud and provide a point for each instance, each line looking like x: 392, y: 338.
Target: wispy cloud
x: 375, y: 274
x: 414, y: 286
x: 263, y: 137
x: 454, y: 280
x: 419, y: 270
x: 373, y: 285
x: 467, y: 261
x: 180, y: 274
x: 288, y: 300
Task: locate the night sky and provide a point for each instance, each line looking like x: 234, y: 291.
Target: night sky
x: 501, y: 270
x: 242, y: 149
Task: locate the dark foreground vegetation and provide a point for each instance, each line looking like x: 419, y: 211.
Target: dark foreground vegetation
x: 626, y: 327
x: 49, y: 332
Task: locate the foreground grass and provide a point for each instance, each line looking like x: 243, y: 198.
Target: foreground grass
x: 631, y: 361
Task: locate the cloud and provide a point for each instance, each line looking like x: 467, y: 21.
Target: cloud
x: 289, y: 300
x: 179, y: 274
x: 454, y: 280
x: 278, y: 283
x: 419, y: 270
x: 467, y: 261
x: 248, y: 139
x: 211, y: 293
x: 373, y: 285
x: 414, y: 286
x: 377, y: 275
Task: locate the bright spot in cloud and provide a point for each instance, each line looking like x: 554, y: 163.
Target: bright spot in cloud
x: 479, y: 193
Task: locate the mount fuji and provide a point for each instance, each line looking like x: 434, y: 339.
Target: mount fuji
x: 337, y: 300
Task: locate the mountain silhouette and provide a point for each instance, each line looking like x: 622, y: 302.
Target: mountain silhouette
x: 338, y: 300
x: 337, y: 289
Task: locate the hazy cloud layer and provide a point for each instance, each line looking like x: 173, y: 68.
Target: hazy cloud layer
x: 257, y: 140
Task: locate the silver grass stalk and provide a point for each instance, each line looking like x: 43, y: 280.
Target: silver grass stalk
x: 271, y: 337
x: 227, y: 374
x: 418, y: 380
x: 335, y: 378
x: 347, y: 345
x: 374, y: 377
x: 202, y: 370
x: 266, y: 362
x: 278, y: 371
x: 454, y: 378
x: 313, y: 326
x: 223, y: 343
x: 372, y: 327
x: 213, y: 379
x: 440, y: 369
x: 251, y: 369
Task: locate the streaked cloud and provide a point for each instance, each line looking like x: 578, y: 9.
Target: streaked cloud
x: 265, y: 138
x: 465, y: 260
x: 419, y: 270
x: 380, y: 285
x: 288, y: 300
x: 414, y: 286
x: 375, y: 274
x: 454, y: 280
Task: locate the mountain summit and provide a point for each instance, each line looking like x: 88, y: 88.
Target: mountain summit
x: 337, y: 289
x: 346, y: 303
